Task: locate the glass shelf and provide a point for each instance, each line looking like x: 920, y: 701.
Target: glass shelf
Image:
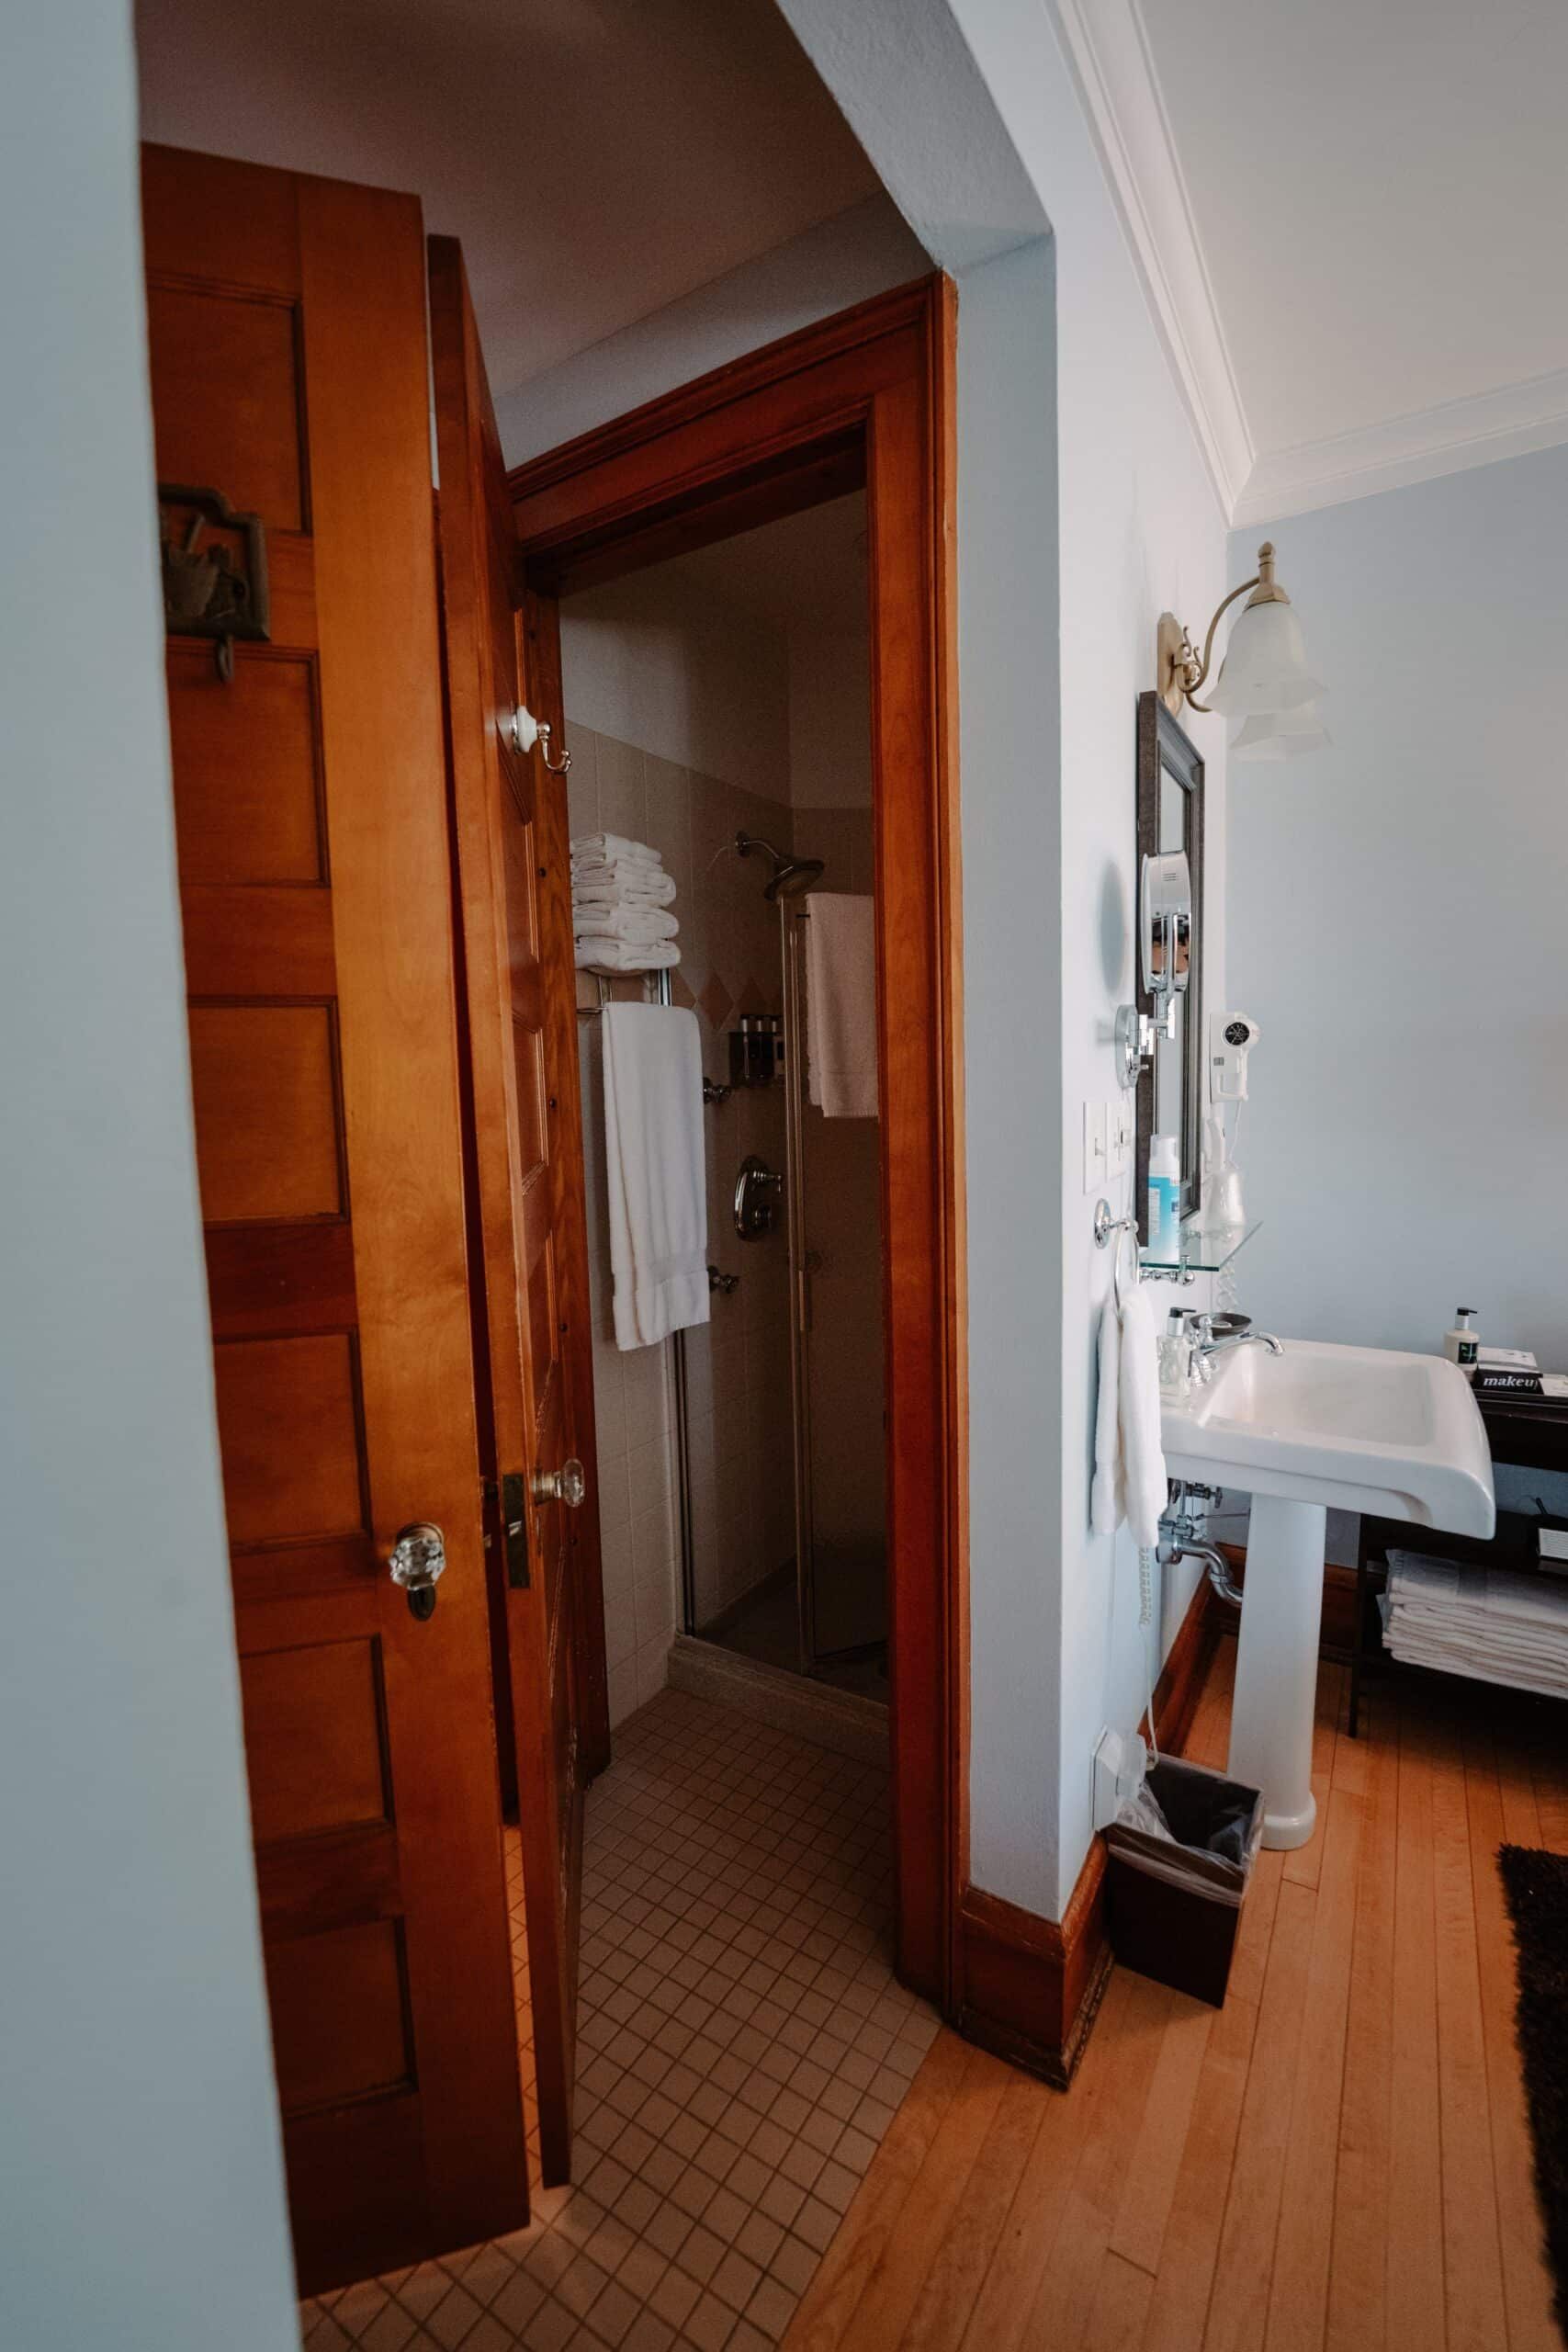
x: 1199, y: 1252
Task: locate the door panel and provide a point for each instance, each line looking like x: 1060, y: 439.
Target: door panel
x: 510, y: 827
x: 311, y: 804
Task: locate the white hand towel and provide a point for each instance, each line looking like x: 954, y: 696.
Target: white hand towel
x: 657, y: 1170
x: 1108, y: 1503
x: 623, y: 922
x: 606, y: 848
x: 597, y: 952
x: 629, y: 885
x: 1143, y: 1456
x: 840, y: 1005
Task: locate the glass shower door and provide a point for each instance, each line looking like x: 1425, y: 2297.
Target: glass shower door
x: 835, y: 1194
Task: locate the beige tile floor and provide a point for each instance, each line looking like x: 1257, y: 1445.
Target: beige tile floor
x: 742, y: 2048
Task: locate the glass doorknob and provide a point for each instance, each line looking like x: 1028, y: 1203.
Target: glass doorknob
x: 568, y: 1484
x: 415, y: 1561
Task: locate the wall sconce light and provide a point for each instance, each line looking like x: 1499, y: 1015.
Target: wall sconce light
x: 1263, y: 681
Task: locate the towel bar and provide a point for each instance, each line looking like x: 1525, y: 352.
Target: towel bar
x: 1105, y: 1224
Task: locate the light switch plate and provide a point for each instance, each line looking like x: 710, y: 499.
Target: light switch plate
x: 1095, y: 1165
x: 1119, y: 1133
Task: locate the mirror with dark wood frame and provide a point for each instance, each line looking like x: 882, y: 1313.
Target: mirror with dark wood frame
x: 1170, y: 815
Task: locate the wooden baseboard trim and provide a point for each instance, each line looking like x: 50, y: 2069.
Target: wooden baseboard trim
x: 1031, y: 1986
x: 1028, y: 1988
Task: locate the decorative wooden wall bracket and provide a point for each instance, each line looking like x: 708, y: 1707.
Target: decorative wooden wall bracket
x: 205, y: 592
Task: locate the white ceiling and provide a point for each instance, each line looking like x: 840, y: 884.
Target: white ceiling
x: 1351, y: 220
x: 598, y: 158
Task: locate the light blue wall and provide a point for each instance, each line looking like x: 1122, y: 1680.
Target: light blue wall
x: 140, y: 2189
x: 1398, y: 923
x: 1084, y: 510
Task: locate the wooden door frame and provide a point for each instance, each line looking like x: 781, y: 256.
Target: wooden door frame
x: 864, y: 398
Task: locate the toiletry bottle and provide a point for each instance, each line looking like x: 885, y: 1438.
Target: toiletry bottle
x: 1174, y: 1357
x: 1165, y: 1186
x: 1463, y: 1343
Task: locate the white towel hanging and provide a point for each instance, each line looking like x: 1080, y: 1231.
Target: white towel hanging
x: 656, y: 1171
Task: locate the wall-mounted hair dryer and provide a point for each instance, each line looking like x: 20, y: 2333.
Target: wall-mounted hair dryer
x: 1232, y: 1036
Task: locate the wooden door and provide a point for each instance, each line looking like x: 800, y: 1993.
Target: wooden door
x: 510, y: 824
x: 289, y: 361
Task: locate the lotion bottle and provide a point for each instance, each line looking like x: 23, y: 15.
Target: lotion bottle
x: 1462, y: 1344
x: 1164, y: 1187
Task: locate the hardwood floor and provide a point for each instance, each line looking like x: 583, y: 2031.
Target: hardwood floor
x: 1339, y: 2158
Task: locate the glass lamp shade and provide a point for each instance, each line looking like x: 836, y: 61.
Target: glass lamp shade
x: 1264, y: 665
x: 1281, y: 734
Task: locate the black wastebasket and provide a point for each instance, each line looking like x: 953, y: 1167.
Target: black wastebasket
x: 1175, y: 1903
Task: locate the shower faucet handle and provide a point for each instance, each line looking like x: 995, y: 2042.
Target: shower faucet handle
x: 757, y: 1190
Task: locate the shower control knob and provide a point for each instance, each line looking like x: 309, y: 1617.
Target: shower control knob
x: 568, y: 1484
x: 758, y: 1189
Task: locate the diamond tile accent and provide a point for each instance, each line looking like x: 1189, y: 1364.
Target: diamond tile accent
x: 716, y: 1001
x: 742, y: 2046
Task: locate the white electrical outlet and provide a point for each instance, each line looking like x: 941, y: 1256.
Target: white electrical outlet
x: 1095, y: 1163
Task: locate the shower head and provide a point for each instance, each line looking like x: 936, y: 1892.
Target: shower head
x: 790, y: 875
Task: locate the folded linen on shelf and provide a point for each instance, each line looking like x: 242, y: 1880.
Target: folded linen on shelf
x: 641, y: 886
x: 607, y: 848
x: 623, y: 923
x: 1490, y: 1623
x: 596, y: 952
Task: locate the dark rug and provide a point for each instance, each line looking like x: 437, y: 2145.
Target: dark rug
x: 1535, y: 1884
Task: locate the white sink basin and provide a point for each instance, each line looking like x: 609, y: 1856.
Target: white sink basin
x: 1362, y: 1428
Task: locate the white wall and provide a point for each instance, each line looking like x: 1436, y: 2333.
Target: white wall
x: 139, y: 2138
x: 1049, y: 673
x: 1397, y: 924
x: 829, y: 717
x: 653, y: 660
x: 861, y: 252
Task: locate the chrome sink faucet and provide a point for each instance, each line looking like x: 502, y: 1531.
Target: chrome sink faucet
x: 1207, y: 1344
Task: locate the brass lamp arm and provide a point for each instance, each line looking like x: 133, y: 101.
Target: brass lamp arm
x: 1190, y: 682
x: 1180, y: 670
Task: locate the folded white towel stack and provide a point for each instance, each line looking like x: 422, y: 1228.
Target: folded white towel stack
x: 1490, y: 1623
x: 619, y: 896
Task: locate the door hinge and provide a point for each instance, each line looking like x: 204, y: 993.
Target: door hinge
x: 514, y: 1527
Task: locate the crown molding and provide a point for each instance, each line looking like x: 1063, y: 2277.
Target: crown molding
x: 1446, y: 439
x: 1109, y: 53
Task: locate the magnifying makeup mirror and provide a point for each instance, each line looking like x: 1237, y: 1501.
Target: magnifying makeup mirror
x: 1165, y: 925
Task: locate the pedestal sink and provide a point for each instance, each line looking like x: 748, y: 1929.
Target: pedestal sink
x: 1363, y: 1429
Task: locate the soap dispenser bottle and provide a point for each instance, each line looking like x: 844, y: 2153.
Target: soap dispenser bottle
x: 1462, y: 1344
x: 1165, y: 1189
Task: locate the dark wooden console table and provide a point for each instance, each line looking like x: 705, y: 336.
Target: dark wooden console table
x: 1524, y: 1431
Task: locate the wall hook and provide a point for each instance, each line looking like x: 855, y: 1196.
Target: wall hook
x: 525, y: 732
